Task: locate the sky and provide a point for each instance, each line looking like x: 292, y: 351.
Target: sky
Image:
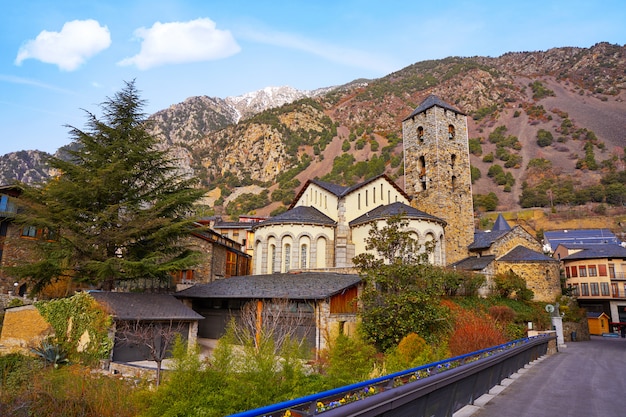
x: 61, y: 58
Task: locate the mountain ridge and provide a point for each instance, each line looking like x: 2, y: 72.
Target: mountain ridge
x: 576, y: 95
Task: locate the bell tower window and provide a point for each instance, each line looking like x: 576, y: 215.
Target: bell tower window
x: 420, y: 134
x: 451, y: 132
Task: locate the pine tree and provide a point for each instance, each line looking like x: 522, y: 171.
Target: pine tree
x: 117, y: 208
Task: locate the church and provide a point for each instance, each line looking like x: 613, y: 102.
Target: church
x: 305, y: 254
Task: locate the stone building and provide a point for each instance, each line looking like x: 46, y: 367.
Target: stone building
x: 504, y: 249
x: 437, y: 170
x: 327, y: 225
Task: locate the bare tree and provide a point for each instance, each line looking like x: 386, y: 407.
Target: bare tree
x: 277, y: 320
x: 156, y: 336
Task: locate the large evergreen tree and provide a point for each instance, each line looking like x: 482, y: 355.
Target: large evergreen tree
x: 116, y: 209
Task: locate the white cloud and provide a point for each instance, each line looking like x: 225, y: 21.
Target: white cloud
x: 77, y: 41
x: 181, y: 42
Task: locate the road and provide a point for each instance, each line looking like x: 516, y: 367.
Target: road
x: 584, y: 379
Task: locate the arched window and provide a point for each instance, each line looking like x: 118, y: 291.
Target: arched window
x: 420, y: 134
x: 287, y: 257
x: 304, y: 253
x: 451, y: 132
x: 453, y: 182
x: 272, y: 258
x: 452, y: 160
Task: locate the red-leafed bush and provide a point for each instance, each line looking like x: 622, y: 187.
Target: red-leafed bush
x: 473, y: 332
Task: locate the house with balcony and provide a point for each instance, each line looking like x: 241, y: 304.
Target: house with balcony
x: 596, y: 275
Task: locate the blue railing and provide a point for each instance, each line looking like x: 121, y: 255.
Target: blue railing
x: 466, y: 377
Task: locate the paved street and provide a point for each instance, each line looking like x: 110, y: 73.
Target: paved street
x: 583, y: 379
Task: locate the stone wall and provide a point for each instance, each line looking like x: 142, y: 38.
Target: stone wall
x: 437, y: 174
x: 518, y: 236
x: 543, y: 278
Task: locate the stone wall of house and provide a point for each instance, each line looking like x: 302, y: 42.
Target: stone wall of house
x: 329, y: 326
x: 543, y: 278
x: 15, y: 248
x: 437, y: 174
x: 203, y: 272
x: 518, y: 236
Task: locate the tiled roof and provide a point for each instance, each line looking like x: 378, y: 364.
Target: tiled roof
x: 484, y: 239
x: 144, y: 306
x: 386, y: 211
x: 301, y: 215
x: 430, y: 101
x: 597, y: 251
x: 523, y: 254
x: 474, y: 263
x: 300, y: 286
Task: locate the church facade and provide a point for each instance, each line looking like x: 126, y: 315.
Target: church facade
x: 328, y: 224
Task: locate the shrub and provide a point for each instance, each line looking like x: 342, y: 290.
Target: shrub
x: 473, y: 332
x: 350, y: 360
x: 412, y: 351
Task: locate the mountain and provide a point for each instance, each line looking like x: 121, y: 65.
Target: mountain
x: 543, y: 122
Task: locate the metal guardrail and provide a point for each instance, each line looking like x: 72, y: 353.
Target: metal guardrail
x: 437, y: 389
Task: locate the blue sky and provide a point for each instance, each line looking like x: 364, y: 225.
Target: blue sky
x: 58, y: 57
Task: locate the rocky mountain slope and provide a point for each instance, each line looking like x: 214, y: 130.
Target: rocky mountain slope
x: 561, y: 109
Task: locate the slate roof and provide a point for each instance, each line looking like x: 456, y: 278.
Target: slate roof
x: 385, y: 211
x: 474, y: 263
x: 430, y: 101
x: 501, y: 224
x: 597, y: 251
x: 342, y: 191
x: 299, y: 286
x: 523, y: 254
x: 483, y: 239
x: 595, y: 314
x: 580, y: 237
x: 144, y: 306
x: 300, y: 215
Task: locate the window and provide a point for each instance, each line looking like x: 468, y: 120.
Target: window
x: 574, y: 272
x: 272, y: 259
x: 451, y: 132
x: 611, y: 271
x: 420, y: 134
x: 358, y: 196
x: 287, y: 257
x: 29, y: 231
x: 615, y: 289
x: 592, y: 271
x: 604, y: 287
x: 575, y: 291
x: 584, y: 289
x: 594, y: 289
x: 231, y: 264
x: 582, y: 271
x: 303, y: 256
x: 602, y: 270
x: 567, y: 274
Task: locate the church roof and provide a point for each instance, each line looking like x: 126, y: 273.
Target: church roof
x: 301, y: 215
x: 431, y: 101
x: 474, y: 263
x: 385, y: 211
x: 342, y: 191
x: 501, y: 224
x: 523, y: 254
x: 483, y: 239
x: 299, y: 286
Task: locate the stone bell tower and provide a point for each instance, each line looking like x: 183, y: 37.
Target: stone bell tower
x: 437, y: 170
